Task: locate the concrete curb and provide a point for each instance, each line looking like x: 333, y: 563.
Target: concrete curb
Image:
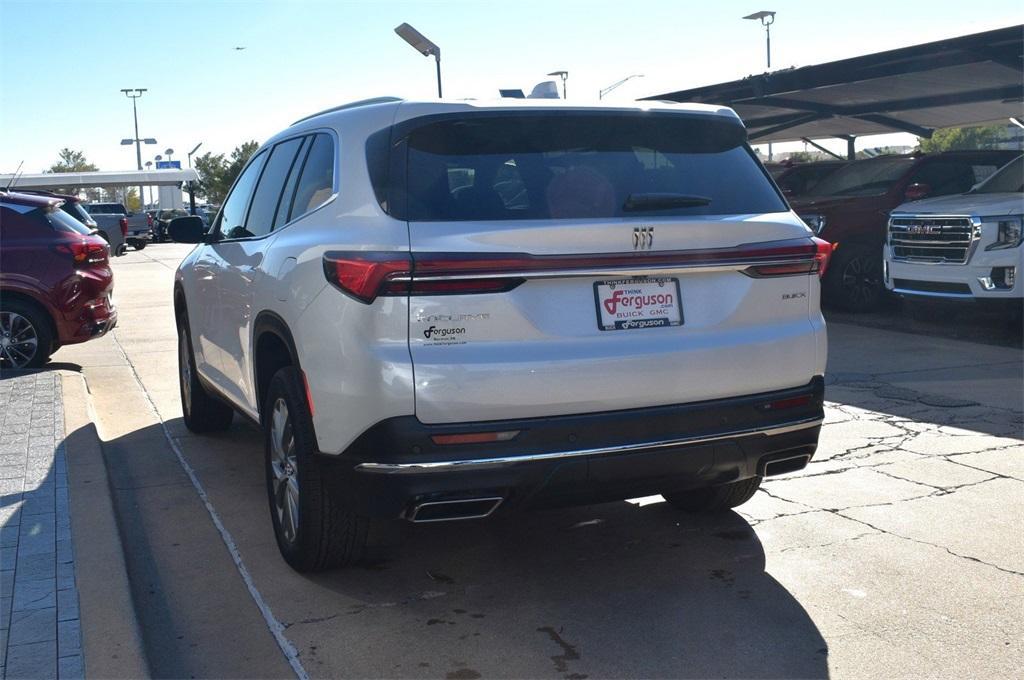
x: 111, y: 638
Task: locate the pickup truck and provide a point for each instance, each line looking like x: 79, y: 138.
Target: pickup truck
x: 962, y: 247
x: 108, y: 218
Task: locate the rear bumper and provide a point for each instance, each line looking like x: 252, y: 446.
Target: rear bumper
x: 396, y: 466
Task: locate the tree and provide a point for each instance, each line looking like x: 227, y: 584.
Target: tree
x: 217, y: 173
x: 71, y: 161
x: 953, y: 139
x: 131, y: 200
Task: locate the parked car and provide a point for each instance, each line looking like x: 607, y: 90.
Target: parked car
x: 162, y: 219
x: 962, y: 247
x: 134, y: 226
x: 850, y: 209
x: 796, y: 179
x: 465, y: 309
x: 55, y: 280
x: 73, y: 206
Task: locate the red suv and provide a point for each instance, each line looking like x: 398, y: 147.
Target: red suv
x: 851, y: 209
x: 55, y: 280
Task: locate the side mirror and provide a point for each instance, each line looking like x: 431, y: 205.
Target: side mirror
x: 186, y: 229
x: 917, y: 191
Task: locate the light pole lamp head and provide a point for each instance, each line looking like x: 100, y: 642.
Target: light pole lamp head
x: 562, y: 74
x: 169, y: 152
x: 766, y: 17
x: 126, y: 142
x: 418, y: 41
x: 195, y: 149
x: 149, y: 140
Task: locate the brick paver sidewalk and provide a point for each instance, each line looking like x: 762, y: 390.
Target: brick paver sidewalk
x: 40, y: 633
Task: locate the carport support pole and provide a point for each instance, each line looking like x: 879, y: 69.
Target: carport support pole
x: 191, y: 198
x: 851, y: 151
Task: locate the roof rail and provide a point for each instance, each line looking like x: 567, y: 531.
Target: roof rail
x: 351, y: 105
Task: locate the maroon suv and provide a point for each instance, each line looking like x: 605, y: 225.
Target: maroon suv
x: 55, y: 280
x: 851, y: 207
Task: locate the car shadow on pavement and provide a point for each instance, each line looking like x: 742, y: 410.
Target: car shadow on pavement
x: 610, y: 590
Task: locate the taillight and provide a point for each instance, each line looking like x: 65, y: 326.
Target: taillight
x: 822, y: 254
x: 364, y: 276
x: 149, y: 220
x: 124, y: 226
x: 83, y: 252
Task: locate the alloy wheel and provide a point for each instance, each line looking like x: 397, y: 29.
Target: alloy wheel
x: 284, y: 466
x: 861, y: 280
x: 19, y: 340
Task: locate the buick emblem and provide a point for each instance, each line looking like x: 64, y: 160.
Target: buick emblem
x: 643, y: 238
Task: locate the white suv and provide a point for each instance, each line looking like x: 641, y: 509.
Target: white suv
x: 965, y: 247
x: 440, y: 310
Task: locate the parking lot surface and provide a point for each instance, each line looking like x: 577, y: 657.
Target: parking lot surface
x: 897, y: 552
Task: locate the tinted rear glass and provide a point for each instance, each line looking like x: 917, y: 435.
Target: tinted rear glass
x: 61, y: 221
x: 579, y: 165
x: 1010, y: 179
x: 104, y: 208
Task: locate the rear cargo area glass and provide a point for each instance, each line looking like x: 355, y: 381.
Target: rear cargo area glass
x: 577, y: 165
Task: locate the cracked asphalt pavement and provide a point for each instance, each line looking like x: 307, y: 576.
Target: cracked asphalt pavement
x: 898, y: 552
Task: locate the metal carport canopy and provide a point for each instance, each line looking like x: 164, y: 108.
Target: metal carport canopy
x: 114, y: 178
x: 959, y: 82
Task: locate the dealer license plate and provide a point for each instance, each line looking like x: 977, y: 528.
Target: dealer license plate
x: 638, y: 303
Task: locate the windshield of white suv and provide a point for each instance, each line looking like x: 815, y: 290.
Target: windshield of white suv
x: 865, y: 178
x: 573, y: 165
x: 1009, y: 179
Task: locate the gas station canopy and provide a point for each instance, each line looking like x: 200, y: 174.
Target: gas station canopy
x: 959, y: 82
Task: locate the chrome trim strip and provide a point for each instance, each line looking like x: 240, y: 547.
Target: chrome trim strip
x: 416, y: 511
x: 734, y: 265
x: 926, y: 293
x: 506, y: 461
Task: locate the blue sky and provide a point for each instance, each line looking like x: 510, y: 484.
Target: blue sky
x: 62, y: 64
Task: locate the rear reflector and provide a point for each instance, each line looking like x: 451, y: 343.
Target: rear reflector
x: 474, y: 437
x: 791, y: 402
x: 822, y: 254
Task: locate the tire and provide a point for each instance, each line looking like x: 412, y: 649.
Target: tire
x: 26, y: 335
x: 137, y: 243
x: 121, y: 250
x: 314, y: 531
x: 854, y: 278
x: 201, y: 411
x: 715, y: 498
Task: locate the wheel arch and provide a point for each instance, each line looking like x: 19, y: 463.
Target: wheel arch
x: 42, y: 307
x: 273, y: 349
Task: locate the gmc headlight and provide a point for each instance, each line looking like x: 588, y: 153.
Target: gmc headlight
x: 815, y: 222
x: 1008, y: 234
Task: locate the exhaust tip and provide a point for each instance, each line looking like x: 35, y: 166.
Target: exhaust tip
x: 782, y: 465
x: 452, y: 510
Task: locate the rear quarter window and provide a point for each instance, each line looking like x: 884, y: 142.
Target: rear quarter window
x: 577, y: 165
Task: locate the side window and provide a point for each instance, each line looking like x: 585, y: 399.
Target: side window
x: 232, y: 214
x: 281, y: 216
x: 316, y: 183
x: 268, y: 191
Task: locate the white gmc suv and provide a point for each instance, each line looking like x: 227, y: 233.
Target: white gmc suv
x: 966, y: 246
x: 441, y: 310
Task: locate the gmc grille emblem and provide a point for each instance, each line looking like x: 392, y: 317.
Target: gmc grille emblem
x: 924, y: 229
x: 643, y: 238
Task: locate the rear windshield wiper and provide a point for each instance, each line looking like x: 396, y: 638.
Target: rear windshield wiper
x: 662, y: 201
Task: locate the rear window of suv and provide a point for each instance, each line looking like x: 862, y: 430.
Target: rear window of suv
x: 580, y: 165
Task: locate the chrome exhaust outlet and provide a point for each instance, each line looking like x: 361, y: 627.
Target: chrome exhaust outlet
x: 452, y: 510
x: 780, y: 466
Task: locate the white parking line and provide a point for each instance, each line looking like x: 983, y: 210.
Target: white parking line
x: 275, y: 626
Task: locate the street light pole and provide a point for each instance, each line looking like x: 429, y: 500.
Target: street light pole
x: 603, y: 92
x: 422, y: 45
x: 133, y: 94
x: 191, y: 187
x: 564, y: 76
x: 767, y: 18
